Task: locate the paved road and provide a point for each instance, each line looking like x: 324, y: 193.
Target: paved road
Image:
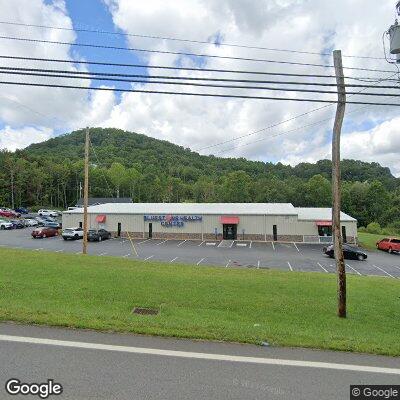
x: 92, y: 365
x: 230, y: 254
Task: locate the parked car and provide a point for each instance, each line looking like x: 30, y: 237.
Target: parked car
x: 31, y: 222
x: 41, y: 220
x: 51, y: 224
x: 17, y: 224
x: 349, y: 252
x: 5, y: 224
x: 21, y: 210
x: 48, y: 213
x: 98, y: 235
x: 389, y: 244
x: 72, y: 233
x: 6, y: 212
x: 44, y: 232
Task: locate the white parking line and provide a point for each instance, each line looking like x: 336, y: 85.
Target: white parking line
x: 381, y: 269
x: 148, y: 258
x: 161, y: 242
x: 322, y: 267
x: 290, y: 267
x: 294, y: 244
x: 201, y: 243
x: 231, y: 244
x: 173, y: 259
x: 226, y: 266
x: 349, y: 266
x: 251, y: 242
x: 200, y: 261
x: 273, y: 246
x: 202, y: 356
x: 258, y: 264
x: 144, y: 241
x: 181, y: 243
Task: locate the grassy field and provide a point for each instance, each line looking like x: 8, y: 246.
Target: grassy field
x: 282, y: 308
x: 368, y: 240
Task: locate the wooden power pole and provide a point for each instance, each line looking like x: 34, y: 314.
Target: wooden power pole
x: 86, y: 193
x: 336, y: 190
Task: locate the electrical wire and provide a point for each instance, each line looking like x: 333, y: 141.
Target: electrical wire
x: 111, y: 64
x: 91, y: 75
x: 217, y: 44
x: 193, y: 94
x: 207, y: 85
x: 181, y: 53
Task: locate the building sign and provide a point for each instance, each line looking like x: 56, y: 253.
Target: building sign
x: 173, y: 220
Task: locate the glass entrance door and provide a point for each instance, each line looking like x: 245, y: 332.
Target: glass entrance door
x: 229, y: 231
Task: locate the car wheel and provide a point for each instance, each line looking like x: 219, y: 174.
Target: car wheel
x: 360, y: 257
x: 44, y: 236
x: 76, y: 237
x: 2, y: 227
x: 390, y: 250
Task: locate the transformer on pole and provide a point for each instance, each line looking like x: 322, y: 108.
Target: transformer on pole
x: 394, y: 36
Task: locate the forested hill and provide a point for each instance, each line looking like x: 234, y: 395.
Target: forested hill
x: 150, y: 170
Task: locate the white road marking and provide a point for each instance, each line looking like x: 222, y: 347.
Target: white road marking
x: 226, y: 266
x: 241, y: 244
x: 102, y: 254
x: 144, y: 241
x: 396, y: 267
x: 258, y: 264
x: 231, y: 244
x: 201, y: 356
x: 294, y: 244
x: 148, y: 258
x: 387, y: 273
x: 273, y: 246
x: 200, y: 261
x: 173, y: 259
x: 251, y: 242
x: 322, y: 267
x: 181, y: 243
x: 290, y: 267
x: 201, y: 243
x: 349, y: 266
x: 211, y: 244
x: 161, y: 242
x: 59, y: 251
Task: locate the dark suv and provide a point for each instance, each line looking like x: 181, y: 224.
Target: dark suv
x: 98, y: 235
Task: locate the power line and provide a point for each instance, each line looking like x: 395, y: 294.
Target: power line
x: 89, y: 75
x: 206, y: 85
x: 181, y: 53
x: 193, y: 94
x: 151, y: 66
x: 218, y: 44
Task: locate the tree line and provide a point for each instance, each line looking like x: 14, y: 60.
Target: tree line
x: 126, y: 164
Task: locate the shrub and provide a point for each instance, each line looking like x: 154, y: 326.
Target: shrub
x: 374, y: 227
x: 362, y: 229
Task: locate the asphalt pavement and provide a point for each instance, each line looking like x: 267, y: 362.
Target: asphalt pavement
x: 92, y: 365
x: 226, y: 254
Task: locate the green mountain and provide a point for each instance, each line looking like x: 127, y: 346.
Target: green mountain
x: 151, y: 170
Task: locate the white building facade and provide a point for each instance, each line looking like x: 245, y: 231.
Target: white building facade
x: 209, y: 221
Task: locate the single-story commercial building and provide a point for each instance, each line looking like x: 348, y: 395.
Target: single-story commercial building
x: 205, y: 221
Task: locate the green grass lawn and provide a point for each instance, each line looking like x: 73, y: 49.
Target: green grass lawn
x: 368, y: 240
x: 282, y: 308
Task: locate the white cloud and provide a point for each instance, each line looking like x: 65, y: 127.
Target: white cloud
x: 13, y: 139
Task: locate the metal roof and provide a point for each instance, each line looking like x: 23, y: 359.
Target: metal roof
x: 104, y: 200
x: 192, y: 208
x: 323, y: 214
x: 303, y: 213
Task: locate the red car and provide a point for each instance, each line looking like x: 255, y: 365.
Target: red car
x: 7, y: 213
x: 389, y: 244
x: 44, y: 232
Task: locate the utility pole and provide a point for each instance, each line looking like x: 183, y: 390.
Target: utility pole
x: 337, y: 238
x: 12, y: 188
x: 86, y: 194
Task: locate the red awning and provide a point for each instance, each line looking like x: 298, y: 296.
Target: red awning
x: 101, y: 219
x: 229, y: 220
x: 324, y: 223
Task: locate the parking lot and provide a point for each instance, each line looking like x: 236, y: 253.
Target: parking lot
x: 226, y: 254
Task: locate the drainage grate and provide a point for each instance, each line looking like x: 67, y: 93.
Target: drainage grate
x: 145, y: 311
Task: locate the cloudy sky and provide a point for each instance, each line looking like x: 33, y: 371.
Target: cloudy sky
x: 220, y: 126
